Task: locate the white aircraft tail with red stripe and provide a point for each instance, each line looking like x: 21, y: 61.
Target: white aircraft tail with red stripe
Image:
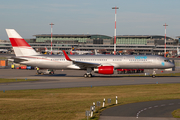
x: 20, y: 46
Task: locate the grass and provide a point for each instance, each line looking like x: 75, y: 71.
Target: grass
x: 71, y: 103
x: 3, y: 58
x: 2, y: 80
x: 176, y: 113
x: 169, y: 74
x: 163, y: 74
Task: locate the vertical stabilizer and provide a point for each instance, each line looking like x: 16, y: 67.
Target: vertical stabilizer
x: 20, y: 46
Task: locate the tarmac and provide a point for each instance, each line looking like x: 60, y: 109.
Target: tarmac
x: 74, y: 78
x: 151, y: 110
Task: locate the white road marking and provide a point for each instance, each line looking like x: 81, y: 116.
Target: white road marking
x: 137, y: 115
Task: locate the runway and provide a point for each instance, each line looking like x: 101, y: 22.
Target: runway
x: 68, y: 79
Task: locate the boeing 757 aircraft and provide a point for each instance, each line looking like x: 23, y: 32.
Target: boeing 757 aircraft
x: 102, y: 64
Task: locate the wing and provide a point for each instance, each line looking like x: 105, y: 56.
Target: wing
x: 86, y: 64
x: 80, y: 63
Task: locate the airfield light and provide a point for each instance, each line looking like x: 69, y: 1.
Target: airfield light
x: 115, y: 30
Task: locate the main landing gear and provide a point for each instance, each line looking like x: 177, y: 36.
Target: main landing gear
x: 88, y: 74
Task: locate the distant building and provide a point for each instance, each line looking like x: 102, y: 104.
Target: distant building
x: 178, y: 39
x: 144, y: 40
x: 74, y: 39
x: 135, y: 44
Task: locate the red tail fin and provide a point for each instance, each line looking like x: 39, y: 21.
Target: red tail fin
x: 20, y: 46
x: 66, y: 56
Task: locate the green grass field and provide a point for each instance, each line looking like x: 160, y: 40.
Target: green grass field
x: 176, y: 113
x: 71, y: 103
x: 163, y: 74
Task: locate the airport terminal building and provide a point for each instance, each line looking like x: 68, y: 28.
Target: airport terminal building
x: 136, y: 44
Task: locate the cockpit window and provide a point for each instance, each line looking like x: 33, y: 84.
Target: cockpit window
x: 166, y: 61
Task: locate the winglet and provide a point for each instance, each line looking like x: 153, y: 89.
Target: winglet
x: 66, y: 56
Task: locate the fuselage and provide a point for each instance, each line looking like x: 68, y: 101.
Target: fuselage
x: 118, y: 61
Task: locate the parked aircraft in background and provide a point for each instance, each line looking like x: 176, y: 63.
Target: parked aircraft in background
x: 178, y: 52
x: 102, y: 64
x: 53, y: 51
x: 96, y: 53
x: 79, y: 52
x: 3, y: 50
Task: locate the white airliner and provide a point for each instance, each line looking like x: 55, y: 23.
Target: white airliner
x: 102, y: 64
x: 53, y: 51
x: 79, y: 52
x: 3, y: 50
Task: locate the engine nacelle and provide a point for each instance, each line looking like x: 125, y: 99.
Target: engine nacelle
x: 104, y: 70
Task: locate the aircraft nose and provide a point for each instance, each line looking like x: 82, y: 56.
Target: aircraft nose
x: 172, y: 65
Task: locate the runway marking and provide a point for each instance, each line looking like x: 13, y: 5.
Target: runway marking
x: 140, y: 111
x: 163, y: 105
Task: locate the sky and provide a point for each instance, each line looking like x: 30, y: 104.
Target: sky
x: 134, y: 17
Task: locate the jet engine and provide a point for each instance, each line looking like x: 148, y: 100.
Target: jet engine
x: 104, y: 70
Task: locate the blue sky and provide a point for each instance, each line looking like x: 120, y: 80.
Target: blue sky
x: 135, y: 17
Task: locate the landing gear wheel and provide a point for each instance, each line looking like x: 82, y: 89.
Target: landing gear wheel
x: 90, y: 75
x: 85, y: 75
x: 153, y: 76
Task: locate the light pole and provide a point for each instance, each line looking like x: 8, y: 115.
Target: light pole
x: 115, y: 30
x: 165, y: 41
x: 51, y: 36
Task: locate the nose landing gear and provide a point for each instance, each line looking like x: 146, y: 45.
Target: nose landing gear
x: 154, y: 73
